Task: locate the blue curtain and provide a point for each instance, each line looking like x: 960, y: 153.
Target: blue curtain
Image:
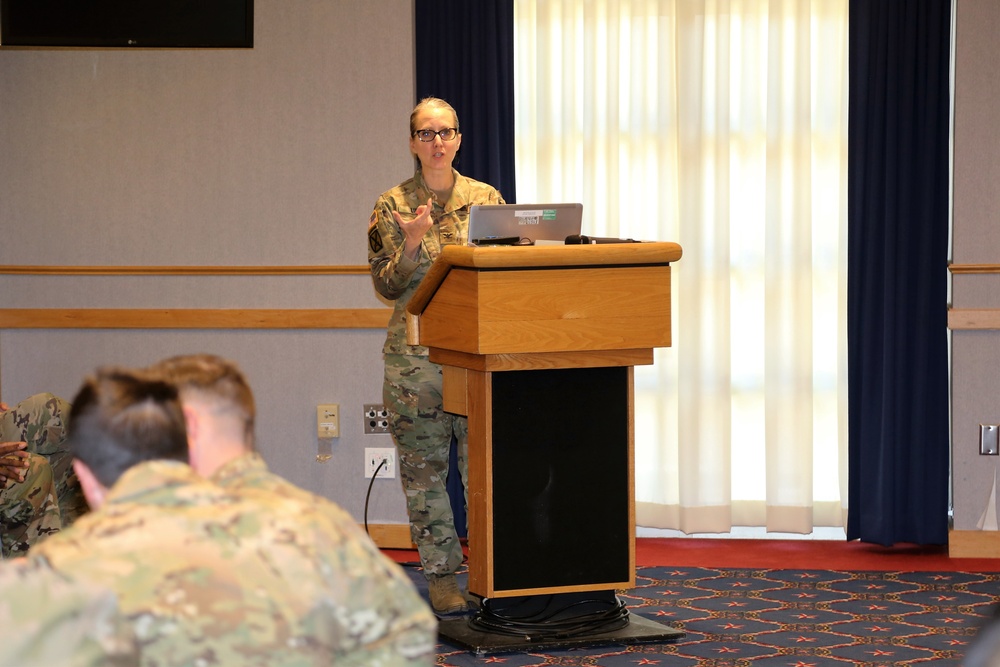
x: 898, y: 133
x: 465, y: 55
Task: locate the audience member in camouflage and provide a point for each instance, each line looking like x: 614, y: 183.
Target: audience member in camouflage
x: 50, y: 620
x: 32, y: 440
x: 29, y: 511
x: 397, y: 626
x: 407, y: 229
x: 202, y: 575
x: 40, y: 421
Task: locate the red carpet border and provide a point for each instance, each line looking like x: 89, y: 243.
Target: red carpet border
x: 816, y: 554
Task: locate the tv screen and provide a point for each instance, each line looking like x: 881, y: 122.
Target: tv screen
x: 127, y: 23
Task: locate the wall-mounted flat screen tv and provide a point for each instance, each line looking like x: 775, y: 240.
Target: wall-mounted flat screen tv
x: 127, y: 23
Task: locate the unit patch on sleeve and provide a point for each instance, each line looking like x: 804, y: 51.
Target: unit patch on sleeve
x: 374, y: 239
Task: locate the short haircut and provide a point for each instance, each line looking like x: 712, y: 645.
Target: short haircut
x: 121, y: 418
x: 217, y: 382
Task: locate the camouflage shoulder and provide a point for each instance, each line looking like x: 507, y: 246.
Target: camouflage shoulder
x: 51, y: 619
x: 478, y: 192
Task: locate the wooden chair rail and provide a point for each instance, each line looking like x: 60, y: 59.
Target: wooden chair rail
x: 13, y: 269
x: 974, y: 268
x: 193, y: 318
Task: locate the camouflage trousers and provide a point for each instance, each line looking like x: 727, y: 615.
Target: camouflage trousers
x: 423, y: 431
x: 29, y: 510
x: 40, y: 421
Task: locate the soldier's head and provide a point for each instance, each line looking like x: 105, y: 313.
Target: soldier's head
x: 218, y: 405
x: 435, y: 136
x: 121, y: 418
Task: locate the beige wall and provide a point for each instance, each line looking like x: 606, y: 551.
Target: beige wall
x: 976, y: 352
x: 271, y: 156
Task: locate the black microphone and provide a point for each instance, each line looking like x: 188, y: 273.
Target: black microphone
x: 578, y: 239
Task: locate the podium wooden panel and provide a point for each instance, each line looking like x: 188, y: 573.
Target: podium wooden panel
x: 537, y: 346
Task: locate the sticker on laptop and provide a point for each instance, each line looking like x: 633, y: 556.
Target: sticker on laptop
x: 533, y: 217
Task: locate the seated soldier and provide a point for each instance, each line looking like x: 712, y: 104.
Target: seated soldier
x: 29, y: 510
x: 40, y: 421
x: 203, y: 575
x: 220, y: 411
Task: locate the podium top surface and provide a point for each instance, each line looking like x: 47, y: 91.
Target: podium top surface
x: 527, y: 257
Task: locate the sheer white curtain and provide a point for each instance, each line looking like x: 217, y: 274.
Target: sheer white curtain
x: 721, y: 125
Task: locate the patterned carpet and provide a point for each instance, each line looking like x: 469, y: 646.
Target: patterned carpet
x: 779, y: 617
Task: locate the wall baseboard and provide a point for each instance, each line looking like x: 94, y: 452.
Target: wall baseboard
x: 974, y: 544
x: 973, y: 318
x: 961, y: 543
x: 390, y: 535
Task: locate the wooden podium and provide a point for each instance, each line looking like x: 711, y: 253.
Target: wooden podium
x: 537, y: 346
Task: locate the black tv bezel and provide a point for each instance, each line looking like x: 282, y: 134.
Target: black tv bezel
x: 123, y: 24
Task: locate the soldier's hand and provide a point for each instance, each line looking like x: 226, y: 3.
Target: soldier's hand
x: 415, y: 229
x: 4, y: 407
x: 13, y: 461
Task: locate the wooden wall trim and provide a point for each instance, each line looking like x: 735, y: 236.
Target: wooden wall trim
x: 974, y: 544
x: 391, y: 536
x: 193, y: 318
x: 974, y: 268
x: 26, y: 270
x: 973, y: 318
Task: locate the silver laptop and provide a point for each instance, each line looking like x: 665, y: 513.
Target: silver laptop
x: 523, y: 224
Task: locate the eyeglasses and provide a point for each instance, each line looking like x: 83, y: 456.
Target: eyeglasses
x: 447, y: 134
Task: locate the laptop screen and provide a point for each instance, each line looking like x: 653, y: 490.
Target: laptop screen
x: 523, y: 224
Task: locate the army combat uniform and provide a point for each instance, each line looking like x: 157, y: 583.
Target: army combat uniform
x: 50, y: 497
x: 208, y: 576
x: 420, y: 427
x: 52, y: 620
x: 400, y: 628
x: 29, y: 510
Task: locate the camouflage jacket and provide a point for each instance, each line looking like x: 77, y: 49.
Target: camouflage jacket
x: 206, y: 576
x: 50, y: 497
x: 401, y: 630
x: 53, y: 620
x: 40, y: 421
x: 396, y: 276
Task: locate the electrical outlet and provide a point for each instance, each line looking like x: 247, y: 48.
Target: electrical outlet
x: 989, y: 439
x: 374, y: 456
x: 376, y: 419
x: 328, y: 420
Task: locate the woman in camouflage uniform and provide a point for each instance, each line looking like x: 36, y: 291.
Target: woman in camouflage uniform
x: 409, y: 226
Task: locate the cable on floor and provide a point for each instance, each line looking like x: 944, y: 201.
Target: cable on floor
x: 549, y: 617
